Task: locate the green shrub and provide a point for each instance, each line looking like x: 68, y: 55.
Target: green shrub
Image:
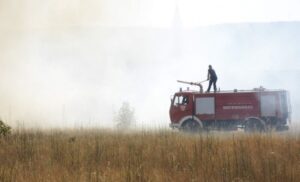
x: 4, y: 129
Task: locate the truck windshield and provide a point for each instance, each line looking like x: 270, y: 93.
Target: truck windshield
x: 181, y: 100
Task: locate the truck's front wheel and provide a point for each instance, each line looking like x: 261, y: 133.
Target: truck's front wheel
x: 191, y: 126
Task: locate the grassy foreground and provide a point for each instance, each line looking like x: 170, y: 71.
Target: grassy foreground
x: 97, y: 155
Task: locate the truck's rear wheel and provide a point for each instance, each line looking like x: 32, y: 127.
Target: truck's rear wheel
x: 254, y: 125
x: 191, y: 126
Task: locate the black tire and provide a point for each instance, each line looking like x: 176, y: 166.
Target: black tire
x: 254, y: 125
x: 191, y: 126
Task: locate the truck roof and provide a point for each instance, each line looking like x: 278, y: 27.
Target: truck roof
x: 255, y: 90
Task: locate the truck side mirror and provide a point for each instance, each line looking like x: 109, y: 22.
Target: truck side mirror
x: 171, y: 98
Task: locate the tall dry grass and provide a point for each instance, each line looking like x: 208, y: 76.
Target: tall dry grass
x: 97, y: 155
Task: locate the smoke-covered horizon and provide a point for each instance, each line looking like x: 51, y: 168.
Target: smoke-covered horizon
x: 65, y: 65
x: 81, y: 79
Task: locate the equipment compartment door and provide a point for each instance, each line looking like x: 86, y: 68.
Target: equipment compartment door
x: 268, y: 105
x: 205, y: 105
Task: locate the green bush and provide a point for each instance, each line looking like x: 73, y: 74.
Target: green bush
x: 4, y: 129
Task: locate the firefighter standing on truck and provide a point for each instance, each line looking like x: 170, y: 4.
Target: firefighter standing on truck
x: 212, y: 77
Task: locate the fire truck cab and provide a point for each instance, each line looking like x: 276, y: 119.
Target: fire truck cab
x: 253, y: 110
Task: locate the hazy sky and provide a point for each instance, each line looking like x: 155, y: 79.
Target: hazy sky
x: 60, y: 67
x: 235, y: 11
x: 158, y: 13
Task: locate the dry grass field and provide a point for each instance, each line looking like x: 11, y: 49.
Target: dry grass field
x: 98, y: 155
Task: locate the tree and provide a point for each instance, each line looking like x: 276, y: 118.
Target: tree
x: 4, y: 129
x: 125, y: 117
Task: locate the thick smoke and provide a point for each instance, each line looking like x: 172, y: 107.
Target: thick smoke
x: 72, y: 64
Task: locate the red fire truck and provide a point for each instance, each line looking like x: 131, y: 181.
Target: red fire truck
x: 254, y: 110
